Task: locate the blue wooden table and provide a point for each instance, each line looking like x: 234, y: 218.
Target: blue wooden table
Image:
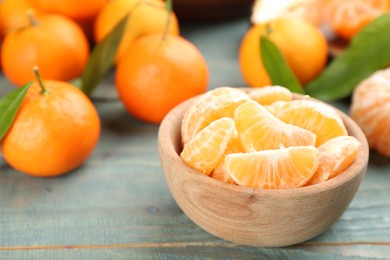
x: 118, y: 206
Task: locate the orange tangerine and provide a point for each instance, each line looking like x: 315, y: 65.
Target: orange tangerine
x: 145, y: 17
x: 13, y: 15
x: 153, y: 77
x: 335, y: 156
x: 314, y: 116
x: 204, y: 151
x: 306, y: 58
x: 274, y: 169
x: 348, y: 17
x: 371, y: 110
x: 54, y: 131
x: 215, y: 104
x: 54, y: 43
x: 74, y: 9
x: 260, y: 130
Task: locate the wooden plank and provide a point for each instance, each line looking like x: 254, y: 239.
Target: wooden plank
x: 201, y: 250
x: 172, y: 252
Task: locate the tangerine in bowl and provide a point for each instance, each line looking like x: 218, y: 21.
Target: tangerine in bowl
x: 261, y: 167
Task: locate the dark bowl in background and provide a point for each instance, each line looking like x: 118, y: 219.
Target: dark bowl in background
x: 211, y: 10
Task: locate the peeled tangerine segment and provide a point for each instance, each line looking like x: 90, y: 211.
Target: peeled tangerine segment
x: 260, y: 130
x: 270, y: 94
x: 314, y: 116
x: 336, y: 155
x: 234, y: 146
x: 273, y: 169
x: 215, y: 104
x: 204, y: 151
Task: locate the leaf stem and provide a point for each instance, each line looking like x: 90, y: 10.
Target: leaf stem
x: 268, y: 29
x: 168, y: 7
x: 33, y: 20
x: 39, y: 78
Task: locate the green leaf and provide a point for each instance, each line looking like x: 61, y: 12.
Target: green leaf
x: 368, y: 52
x: 9, y: 106
x: 76, y: 82
x: 102, y: 58
x: 276, y: 66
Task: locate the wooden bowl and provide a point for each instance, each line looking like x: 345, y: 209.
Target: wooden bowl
x: 257, y: 217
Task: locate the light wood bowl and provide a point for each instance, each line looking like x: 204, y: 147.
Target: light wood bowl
x: 257, y: 217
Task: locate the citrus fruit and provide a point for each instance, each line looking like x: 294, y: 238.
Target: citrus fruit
x: 348, y: 17
x: 335, y: 155
x: 74, y: 9
x: 267, y: 10
x: 234, y: 146
x: 270, y: 94
x: 273, y: 169
x: 370, y: 109
x: 145, y: 17
x: 217, y: 103
x: 260, y: 130
x: 307, y: 58
x: 54, y: 131
x: 204, y: 151
x: 54, y: 43
x: 13, y: 15
x: 319, y: 118
x: 156, y: 74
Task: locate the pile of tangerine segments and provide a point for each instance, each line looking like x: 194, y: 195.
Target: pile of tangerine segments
x: 265, y: 139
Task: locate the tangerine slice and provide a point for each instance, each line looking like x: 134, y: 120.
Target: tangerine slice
x: 260, y: 130
x: 204, y: 151
x: 273, y: 169
x: 215, y: 104
x: 234, y: 146
x: 269, y: 94
x: 335, y: 156
x: 319, y: 118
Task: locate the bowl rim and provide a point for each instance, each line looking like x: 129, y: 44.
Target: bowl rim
x: 354, y: 170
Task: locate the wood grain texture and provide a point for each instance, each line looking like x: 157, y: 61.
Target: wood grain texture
x: 118, y: 205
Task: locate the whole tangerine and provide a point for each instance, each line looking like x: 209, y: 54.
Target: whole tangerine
x: 158, y: 73
x: 302, y: 44
x: 347, y: 18
x: 145, y: 17
x: 75, y: 9
x: 371, y: 111
x: 54, y: 43
x: 55, y: 130
x: 13, y: 14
